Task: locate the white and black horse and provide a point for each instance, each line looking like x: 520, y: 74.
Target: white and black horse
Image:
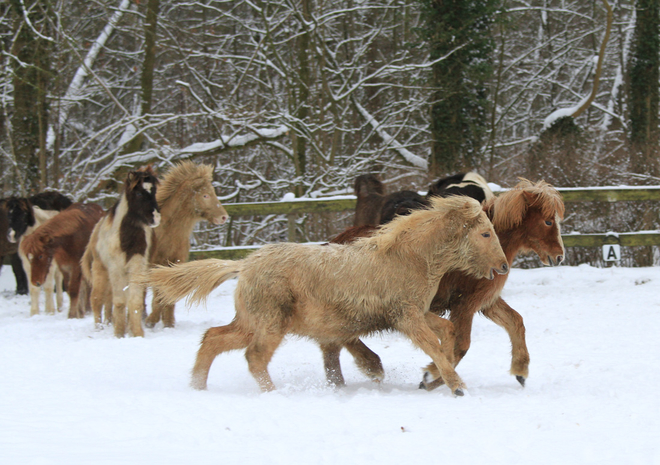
x: 119, y: 249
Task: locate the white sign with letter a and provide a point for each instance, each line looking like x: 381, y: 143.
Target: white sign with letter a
x: 611, y: 252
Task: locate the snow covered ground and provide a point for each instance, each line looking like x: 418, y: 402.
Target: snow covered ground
x: 73, y: 395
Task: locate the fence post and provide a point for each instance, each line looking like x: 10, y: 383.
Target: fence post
x: 291, y: 227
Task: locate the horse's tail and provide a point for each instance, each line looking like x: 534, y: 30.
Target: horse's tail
x: 88, y: 256
x: 195, y: 279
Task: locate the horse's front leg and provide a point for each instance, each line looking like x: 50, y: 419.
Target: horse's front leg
x: 413, y: 324
x: 461, y: 319
x: 503, y: 315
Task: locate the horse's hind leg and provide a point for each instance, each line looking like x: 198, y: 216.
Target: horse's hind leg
x: 215, y: 341
x: 366, y: 360
x: 512, y: 322
x: 101, y: 292
x: 258, y: 355
x: 156, y: 310
x: 331, y: 364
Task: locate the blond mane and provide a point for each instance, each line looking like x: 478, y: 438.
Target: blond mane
x: 426, y: 222
x: 185, y: 173
x: 508, y: 210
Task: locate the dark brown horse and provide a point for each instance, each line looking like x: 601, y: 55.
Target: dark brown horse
x: 374, y: 207
x: 11, y: 250
x: 63, y: 239
x: 525, y: 218
x: 119, y: 248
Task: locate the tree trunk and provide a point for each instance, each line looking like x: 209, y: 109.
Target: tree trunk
x: 147, y: 79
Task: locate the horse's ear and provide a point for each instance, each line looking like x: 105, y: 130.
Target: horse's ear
x: 132, y: 180
x: 530, y: 198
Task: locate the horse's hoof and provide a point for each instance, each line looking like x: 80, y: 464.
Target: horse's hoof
x: 521, y: 380
x: 459, y: 393
x: 422, y: 385
x: 149, y: 324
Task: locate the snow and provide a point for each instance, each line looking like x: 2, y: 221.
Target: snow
x: 73, y: 395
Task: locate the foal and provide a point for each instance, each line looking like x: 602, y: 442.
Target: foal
x: 119, y: 249
x: 62, y: 240
x: 336, y: 293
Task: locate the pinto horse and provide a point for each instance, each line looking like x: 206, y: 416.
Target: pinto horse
x: 526, y: 218
x: 24, y: 216
x: 469, y: 184
x: 63, y: 239
x: 336, y: 293
x: 185, y: 196
x: 119, y: 248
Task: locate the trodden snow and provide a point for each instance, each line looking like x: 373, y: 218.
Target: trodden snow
x: 70, y: 394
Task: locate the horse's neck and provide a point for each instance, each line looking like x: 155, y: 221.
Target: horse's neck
x: 511, y: 242
x: 41, y: 216
x: 178, y: 220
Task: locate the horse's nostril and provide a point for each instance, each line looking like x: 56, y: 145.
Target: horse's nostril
x: 505, y: 268
x: 560, y: 258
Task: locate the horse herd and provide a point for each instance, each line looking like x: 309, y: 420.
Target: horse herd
x: 408, y: 261
x: 94, y: 254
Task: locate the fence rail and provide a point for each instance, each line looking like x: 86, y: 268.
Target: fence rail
x: 570, y: 195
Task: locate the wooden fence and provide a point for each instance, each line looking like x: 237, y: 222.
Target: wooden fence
x: 570, y: 195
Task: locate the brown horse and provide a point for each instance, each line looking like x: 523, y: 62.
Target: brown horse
x: 63, y: 239
x: 336, y: 293
x: 24, y: 217
x: 119, y: 248
x: 185, y: 196
x: 525, y: 218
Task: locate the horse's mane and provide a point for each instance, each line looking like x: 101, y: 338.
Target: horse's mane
x: 508, y: 210
x: 425, y: 222
x: 183, y: 173
x: 65, y: 223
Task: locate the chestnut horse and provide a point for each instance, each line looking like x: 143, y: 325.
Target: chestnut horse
x: 336, y: 293
x: 63, y: 239
x: 24, y: 216
x: 119, y: 248
x: 185, y: 196
x: 526, y: 218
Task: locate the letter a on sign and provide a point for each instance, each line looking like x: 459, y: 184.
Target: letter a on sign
x: 611, y: 252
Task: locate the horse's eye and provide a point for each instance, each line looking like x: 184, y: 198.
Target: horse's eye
x: 41, y: 257
x: 487, y: 234
x: 206, y: 196
x: 548, y: 223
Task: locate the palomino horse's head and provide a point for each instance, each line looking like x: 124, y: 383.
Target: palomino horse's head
x: 140, y: 190
x: 192, y: 184
x: 532, y: 213
x: 20, y: 217
x: 479, y: 248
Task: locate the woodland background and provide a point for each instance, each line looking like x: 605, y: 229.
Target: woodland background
x: 302, y: 96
